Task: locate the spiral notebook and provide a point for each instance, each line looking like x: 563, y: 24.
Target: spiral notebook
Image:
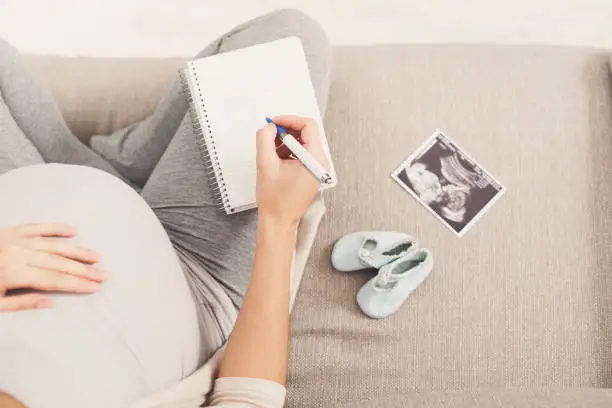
x: 230, y: 96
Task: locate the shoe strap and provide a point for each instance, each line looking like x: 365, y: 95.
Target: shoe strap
x: 376, y: 259
x: 385, y: 275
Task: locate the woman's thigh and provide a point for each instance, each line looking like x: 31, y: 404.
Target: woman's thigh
x: 15, y: 148
x: 179, y: 193
x: 138, y: 334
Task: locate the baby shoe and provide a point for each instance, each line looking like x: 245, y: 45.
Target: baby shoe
x: 370, y: 249
x: 383, y: 295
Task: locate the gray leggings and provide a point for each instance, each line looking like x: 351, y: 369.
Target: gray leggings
x: 159, y: 159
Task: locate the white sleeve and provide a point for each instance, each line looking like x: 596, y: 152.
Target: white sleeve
x: 233, y: 392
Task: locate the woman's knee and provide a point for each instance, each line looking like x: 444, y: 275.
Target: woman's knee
x: 288, y: 23
x: 299, y: 24
x: 316, y: 45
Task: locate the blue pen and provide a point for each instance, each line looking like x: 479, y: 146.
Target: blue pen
x: 302, y: 154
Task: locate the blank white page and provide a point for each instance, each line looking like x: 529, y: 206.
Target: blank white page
x: 238, y: 90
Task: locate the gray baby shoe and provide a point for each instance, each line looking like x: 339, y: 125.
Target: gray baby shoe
x: 383, y: 295
x: 370, y: 249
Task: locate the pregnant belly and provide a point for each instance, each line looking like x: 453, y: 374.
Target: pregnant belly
x: 137, y: 335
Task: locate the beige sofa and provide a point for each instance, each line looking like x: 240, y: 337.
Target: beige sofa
x: 518, y: 312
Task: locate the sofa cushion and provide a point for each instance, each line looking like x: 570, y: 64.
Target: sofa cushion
x: 524, y: 298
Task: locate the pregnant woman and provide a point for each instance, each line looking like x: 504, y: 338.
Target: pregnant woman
x: 118, y: 275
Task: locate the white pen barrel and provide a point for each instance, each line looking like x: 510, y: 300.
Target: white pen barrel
x: 306, y: 158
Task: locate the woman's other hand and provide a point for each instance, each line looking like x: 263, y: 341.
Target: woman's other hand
x: 35, y: 256
x: 285, y: 188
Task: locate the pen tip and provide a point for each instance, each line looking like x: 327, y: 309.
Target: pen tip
x: 268, y: 120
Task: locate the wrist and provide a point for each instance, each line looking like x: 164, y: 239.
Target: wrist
x: 277, y: 224
x: 276, y: 233
x: 276, y: 238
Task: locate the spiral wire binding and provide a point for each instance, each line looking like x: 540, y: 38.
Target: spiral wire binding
x: 204, y: 134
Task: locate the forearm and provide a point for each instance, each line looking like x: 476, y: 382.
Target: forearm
x: 258, y: 345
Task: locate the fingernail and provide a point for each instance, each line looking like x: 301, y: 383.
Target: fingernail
x: 96, y: 276
x: 95, y: 271
x: 70, y: 231
x: 93, y: 286
x: 44, y: 303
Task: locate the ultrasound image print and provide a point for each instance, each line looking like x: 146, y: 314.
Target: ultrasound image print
x: 448, y: 182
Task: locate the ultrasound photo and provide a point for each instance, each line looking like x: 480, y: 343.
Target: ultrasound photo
x: 444, y: 179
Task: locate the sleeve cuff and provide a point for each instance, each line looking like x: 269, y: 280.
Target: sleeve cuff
x: 247, y: 392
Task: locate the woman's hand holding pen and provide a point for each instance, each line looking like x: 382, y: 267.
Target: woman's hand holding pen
x: 285, y: 188
x: 258, y: 345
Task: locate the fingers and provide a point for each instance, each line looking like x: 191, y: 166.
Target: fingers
x: 24, y: 302
x: 309, y: 132
x: 51, y: 281
x: 308, y: 127
x: 46, y: 229
x: 266, y: 148
x: 58, y: 263
x: 294, y: 122
x: 64, y: 249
